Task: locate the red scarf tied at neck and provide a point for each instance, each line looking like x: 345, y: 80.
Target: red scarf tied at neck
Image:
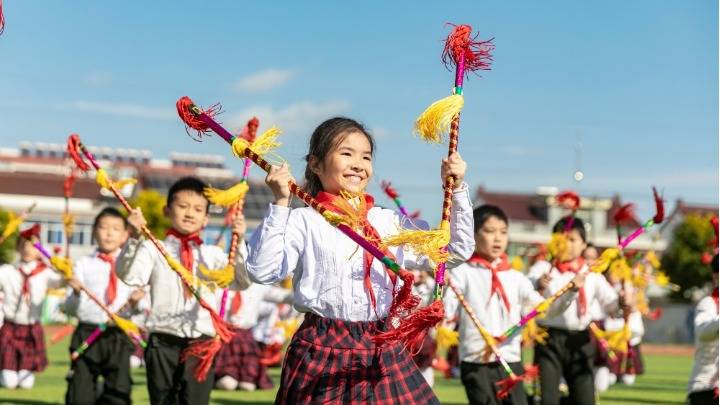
x: 496, y: 266
x: 25, y: 291
x: 186, y: 254
x: 574, y: 266
x: 111, y: 290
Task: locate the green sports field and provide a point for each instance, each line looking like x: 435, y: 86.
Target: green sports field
x: 664, y: 383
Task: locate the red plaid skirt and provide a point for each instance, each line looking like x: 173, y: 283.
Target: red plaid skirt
x: 633, y: 364
x: 22, y: 347
x: 335, y: 361
x: 240, y: 359
x: 425, y: 356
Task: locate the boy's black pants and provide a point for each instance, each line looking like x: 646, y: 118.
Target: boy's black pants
x: 170, y: 381
x: 566, y: 354
x: 479, y: 381
x: 109, y: 357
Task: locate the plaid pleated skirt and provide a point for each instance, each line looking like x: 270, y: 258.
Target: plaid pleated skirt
x: 240, y: 359
x: 22, y: 347
x: 334, y: 361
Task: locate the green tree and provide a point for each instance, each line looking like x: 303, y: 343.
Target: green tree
x: 682, y: 260
x: 7, y: 248
x: 151, y: 202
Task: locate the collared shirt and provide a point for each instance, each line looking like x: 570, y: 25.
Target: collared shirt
x: 596, y: 289
x: 94, y: 273
x: 251, y: 302
x: 17, y: 308
x: 474, y: 282
x: 327, y: 266
x: 705, y: 367
x: 140, y: 264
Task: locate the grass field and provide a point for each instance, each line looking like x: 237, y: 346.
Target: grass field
x: 664, y: 383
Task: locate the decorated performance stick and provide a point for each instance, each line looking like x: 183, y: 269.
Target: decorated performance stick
x: 393, y: 194
x: 203, y: 349
x: 507, y: 384
x: 14, y: 223
x: 405, y: 301
x: 68, y: 219
x: 63, y: 266
x: 599, y: 266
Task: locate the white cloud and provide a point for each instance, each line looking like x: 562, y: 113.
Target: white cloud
x: 297, y: 117
x: 122, y: 110
x: 263, y: 80
x: 98, y: 79
x: 380, y: 132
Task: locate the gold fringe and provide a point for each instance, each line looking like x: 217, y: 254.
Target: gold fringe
x: 606, y: 258
x: 221, y: 278
x: 558, y: 246
x: 104, y: 181
x: 446, y: 338
x: 127, y: 326
x: 426, y: 243
x: 490, y: 342
x: 227, y: 197
x: 618, y: 340
x: 533, y: 334
x: 620, y: 269
x: 12, y: 226
x: 68, y: 223
x: 435, y: 121
x: 184, y: 274
x: 264, y: 144
x: 63, y: 265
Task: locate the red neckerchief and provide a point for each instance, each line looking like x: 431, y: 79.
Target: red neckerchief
x: 574, y: 266
x: 496, y: 286
x: 715, y: 298
x: 236, y: 303
x: 25, y: 292
x: 186, y: 255
x: 111, y: 290
x: 328, y: 201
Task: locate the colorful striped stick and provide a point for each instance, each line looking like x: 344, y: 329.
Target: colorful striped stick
x: 504, y: 385
x: 126, y: 326
x: 87, y: 342
x: 393, y: 194
x: 203, y: 349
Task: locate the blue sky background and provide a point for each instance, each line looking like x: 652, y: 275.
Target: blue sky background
x: 636, y: 82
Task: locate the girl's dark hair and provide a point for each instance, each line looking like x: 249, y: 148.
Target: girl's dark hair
x: 577, y: 224
x: 482, y: 213
x: 323, y: 139
x: 109, y: 212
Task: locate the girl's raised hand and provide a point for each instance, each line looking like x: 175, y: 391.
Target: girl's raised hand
x: 454, y: 166
x: 278, y: 180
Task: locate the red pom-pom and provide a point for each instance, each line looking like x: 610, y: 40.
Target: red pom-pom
x: 460, y: 42
x: 61, y: 333
x: 568, y: 199
x: 185, y: 109
x: 389, y: 189
x: 506, y: 385
x: 204, y: 350
x: 68, y: 184
x: 659, y: 208
x: 73, y: 146
x: 655, y: 314
x: 624, y: 214
x: 32, y: 232
x: 412, y: 329
x: 706, y: 258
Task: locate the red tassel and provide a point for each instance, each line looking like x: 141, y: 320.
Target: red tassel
x: 568, y: 199
x: 659, y: 208
x: 506, y: 385
x: 624, y: 213
x: 68, y: 184
x: 389, y: 189
x: 250, y: 131
x: 193, y: 121
x: 412, y: 329
x: 73, y: 144
x: 204, y: 350
x: 477, y: 53
x: 404, y: 301
x: 655, y: 314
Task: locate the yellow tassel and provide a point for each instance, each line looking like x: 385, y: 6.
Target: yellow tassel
x: 605, y: 259
x: 182, y: 271
x: 426, y: 243
x: 262, y: 145
x: 490, y: 342
x: 661, y: 279
x: 68, y: 223
x: 435, y: 121
x: 543, y: 306
x: 287, y: 283
x: 517, y: 263
x: 446, y: 338
x: 652, y: 258
x: 12, y: 226
x: 558, y: 246
x: 533, y: 334
x: 620, y: 269
x: 63, y: 265
x: 127, y: 326
x: 104, y: 181
x: 618, y: 340
x: 289, y: 327
x: 227, y: 197
x: 221, y: 278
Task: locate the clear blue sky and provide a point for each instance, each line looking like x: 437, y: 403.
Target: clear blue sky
x: 636, y: 81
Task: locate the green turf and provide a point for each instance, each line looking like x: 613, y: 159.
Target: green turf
x: 664, y: 383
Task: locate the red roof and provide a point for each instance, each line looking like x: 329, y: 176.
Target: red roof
x: 517, y: 206
x: 43, y: 184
